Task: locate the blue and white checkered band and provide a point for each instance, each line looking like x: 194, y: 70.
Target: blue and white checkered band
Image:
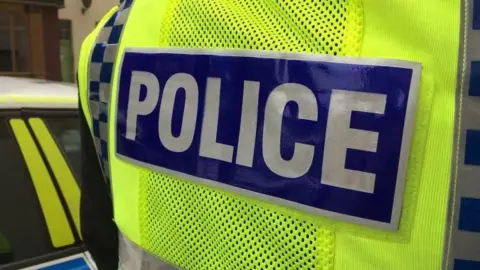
x: 463, y: 246
x: 100, y: 76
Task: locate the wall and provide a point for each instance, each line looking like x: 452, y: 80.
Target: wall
x: 83, y: 24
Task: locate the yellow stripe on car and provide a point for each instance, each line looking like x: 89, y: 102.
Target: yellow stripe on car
x: 60, y: 168
x: 55, y: 217
x: 38, y: 101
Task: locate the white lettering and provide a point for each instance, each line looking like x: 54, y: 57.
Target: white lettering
x: 137, y: 107
x: 187, y: 131
x: 209, y: 147
x: 340, y: 136
x: 302, y: 158
x: 248, y: 124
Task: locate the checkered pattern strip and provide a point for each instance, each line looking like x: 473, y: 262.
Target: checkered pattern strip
x: 465, y: 235
x: 102, y: 62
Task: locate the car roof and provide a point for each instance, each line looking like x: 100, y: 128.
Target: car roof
x: 18, y: 93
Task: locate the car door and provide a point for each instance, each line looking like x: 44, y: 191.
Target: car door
x: 39, y: 193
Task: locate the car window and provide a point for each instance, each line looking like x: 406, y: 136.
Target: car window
x: 6, y: 254
x: 66, y: 131
x: 23, y: 230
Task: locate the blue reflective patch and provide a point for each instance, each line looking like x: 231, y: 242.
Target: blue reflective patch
x: 326, y: 135
x: 466, y: 265
x: 77, y: 264
x: 469, y: 219
x: 127, y: 3
x: 104, y: 148
x: 474, y: 87
x: 115, y: 34
x: 95, y: 87
x: 106, y: 72
x: 96, y: 128
x: 98, y: 53
x: 476, y: 15
x: 472, y: 147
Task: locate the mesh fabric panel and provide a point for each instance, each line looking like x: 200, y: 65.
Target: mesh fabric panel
x: 199, y: 227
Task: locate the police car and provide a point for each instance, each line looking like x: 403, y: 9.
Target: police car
x: 40, y: 176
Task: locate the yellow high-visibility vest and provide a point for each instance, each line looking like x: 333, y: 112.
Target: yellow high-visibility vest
x: 289, y: 134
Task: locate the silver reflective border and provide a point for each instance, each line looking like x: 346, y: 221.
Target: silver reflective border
x: 131, y: 257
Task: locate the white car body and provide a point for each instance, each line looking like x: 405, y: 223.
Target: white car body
x: 34, y: 93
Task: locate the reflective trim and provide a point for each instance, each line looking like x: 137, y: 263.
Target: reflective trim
x: 100, y: 75
x: 134, y: 257
x: 462, y: 247
x: 78, y: 262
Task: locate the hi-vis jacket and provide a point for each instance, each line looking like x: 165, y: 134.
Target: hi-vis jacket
x: 266, y: 134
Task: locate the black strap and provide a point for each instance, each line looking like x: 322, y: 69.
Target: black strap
x: 99, y: 232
